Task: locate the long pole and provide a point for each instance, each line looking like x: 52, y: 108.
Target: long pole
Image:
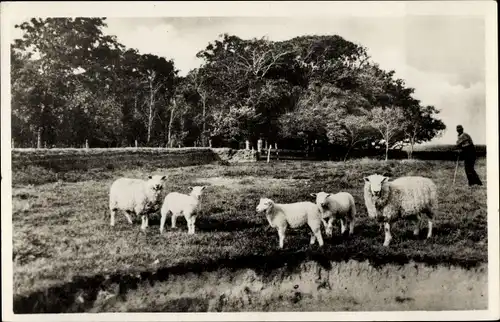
x: 456, y: 168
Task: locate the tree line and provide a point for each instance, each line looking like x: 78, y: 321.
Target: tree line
x: 71, y: 83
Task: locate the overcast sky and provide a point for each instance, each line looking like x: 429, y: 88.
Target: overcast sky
x: 442, y: 57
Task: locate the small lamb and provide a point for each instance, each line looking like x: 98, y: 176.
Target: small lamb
x: 404, y: 197
x: 336, y: 206
x: 293, y: 215
x: 136, y: 196
x: 181, y: 204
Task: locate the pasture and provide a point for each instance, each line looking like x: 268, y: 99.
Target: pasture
x: 64, y: 248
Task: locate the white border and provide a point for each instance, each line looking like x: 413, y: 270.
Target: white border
x: 259, y: 8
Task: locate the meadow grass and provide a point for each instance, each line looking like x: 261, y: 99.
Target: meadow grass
x: 61, y: 229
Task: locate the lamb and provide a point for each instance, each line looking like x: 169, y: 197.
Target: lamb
x: 404, y: 197
x: 181, y: 204
x: 336, y: 206
x: 293, y: 215
x: 136, y: 196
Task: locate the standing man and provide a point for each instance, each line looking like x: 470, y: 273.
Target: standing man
x: 468, y: 154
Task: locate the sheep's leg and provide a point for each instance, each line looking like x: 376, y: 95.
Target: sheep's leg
x: 281, y: 235
x: 317, y: 233
x: 387, y: 230
x: 112, y: 217
x: 351, y: 226
x: 329, y: 227
x: 430, y: 216
x: 416, y: 231
x: 162, y: 222
x: 144, y: 224
x: 429, y: 233
x: 127, y: 215
x: 174, y: 218
x: 191, y: 222
x: 313, y: 239
x: 342, y: 226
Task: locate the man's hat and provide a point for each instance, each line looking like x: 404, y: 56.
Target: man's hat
x: 460, y: 127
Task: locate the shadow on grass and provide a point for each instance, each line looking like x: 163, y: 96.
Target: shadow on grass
x: 210, y: 224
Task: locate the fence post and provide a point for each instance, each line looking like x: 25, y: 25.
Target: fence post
x: 136, y: 144
x: 268, y: 153
x: 247, y: 145
x: 259, y: 145
x: 276, y: 147
x: 86, y: 144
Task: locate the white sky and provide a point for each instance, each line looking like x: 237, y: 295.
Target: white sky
x: 442, y: 57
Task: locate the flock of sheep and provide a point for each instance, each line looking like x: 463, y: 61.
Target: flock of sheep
x: 404, y: 198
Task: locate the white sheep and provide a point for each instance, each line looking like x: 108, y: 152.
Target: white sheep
x: 179, y: 204
x: 136, y: 196
x: 404, y: 197
x: 336, y: 206
x: 293, y: 215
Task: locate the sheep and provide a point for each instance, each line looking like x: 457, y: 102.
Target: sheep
x: 336, y: 206
x: 404, y: 197
x: 293, y: 215
x: 181, y: 204
x: 135, y: 196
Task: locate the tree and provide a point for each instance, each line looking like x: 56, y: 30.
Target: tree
x: 350, y: 129
x: 421, y: 125
x: 241, y: 78
x: 60, y: 52
x: 157, y: 76
x: 388, y: 122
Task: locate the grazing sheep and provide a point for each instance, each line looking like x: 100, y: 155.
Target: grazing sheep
x: 136, y: 196
x: 180, y: 204
x: 336, y: 206
x: 404, y: 197
x: 293, y: 215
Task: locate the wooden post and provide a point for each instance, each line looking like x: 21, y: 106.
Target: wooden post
x: 268, y: 153
x: 259, y: 145
x: 276, y: 147
x: 247, y: 145
x: 86, y: 144
x: 136, y: 144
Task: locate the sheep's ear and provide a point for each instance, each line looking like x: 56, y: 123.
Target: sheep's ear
x: 190, y: 188
x: 164, y: 178
x: 314, y: 195
x: 203, y: 187
x: 366, y: 179
x: 385, y: 179
x: 150, y: 177
x: 328, y: 195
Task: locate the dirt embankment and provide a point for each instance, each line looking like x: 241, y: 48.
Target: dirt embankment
x: 309, y: 286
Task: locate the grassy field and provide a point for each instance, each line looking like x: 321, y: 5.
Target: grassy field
x: 62, y: 240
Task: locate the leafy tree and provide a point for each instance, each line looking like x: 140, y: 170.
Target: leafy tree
x: 387, y: 121
x: 421, y: 125
x: 350, y: 130
x: 55, y: 51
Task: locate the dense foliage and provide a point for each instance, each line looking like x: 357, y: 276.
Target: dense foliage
x: 71, y: 83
